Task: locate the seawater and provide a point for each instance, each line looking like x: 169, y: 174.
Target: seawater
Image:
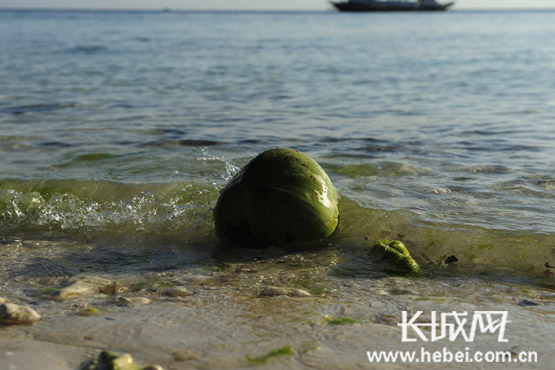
x: 119, y: 129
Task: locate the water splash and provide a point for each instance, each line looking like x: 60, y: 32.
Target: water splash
x: 188, y: 208
x: 230, y: 168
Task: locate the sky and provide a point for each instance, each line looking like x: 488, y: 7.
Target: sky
x: 248, y: 4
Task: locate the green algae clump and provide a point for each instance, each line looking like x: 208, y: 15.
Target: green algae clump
x: 261, y: 360
x: 90, y: 311
x: 341, y: 321
x: 280, y: 196
x: 395, y: 256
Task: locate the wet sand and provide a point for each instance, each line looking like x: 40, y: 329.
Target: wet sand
x: 225, y: 319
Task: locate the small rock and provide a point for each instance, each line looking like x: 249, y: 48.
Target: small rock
x: 275, y: 291
x: 111, y: 360
x: 105, y: 286
x: 178, y: 291
x: 298, y: 292
x: 15, y: 315
x: 122, y: 362
x: 2, y: 300
x: 153, y: 367
x: 527, y: 302
x: 134, y: 300
x: 72, y: 291
x: 86, y: 285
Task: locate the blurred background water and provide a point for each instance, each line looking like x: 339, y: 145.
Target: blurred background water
x: 435, y: 128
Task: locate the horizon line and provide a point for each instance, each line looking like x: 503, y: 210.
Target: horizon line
x: 166, y: 9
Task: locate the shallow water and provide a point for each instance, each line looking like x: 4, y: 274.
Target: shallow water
x: 119, y: 129
x: 446, y: 118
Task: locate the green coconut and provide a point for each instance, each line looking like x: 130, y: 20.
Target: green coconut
x: 280, y: 196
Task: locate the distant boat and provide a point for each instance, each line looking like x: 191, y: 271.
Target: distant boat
x: 390, y: 5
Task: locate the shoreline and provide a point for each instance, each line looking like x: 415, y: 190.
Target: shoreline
x: 221, y: 316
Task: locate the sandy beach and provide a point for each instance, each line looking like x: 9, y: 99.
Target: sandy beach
x: 216, y: 317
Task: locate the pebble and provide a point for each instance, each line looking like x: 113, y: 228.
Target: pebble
x: 134, y: 300
x: 199, y: 278
x: 2, y: 300
x: 86, y: 285
x: 298, y: 292
x: 272, y: 291
x: 275, y: 291
x: 178, y: 291
x: 13, y: 314
x: 124, y: 361
x: 112, y: 360
x: 527, y: 302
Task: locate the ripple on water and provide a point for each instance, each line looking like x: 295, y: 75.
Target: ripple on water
x: 55, y: 144
x: 38, y: 108
x: 87, y: 49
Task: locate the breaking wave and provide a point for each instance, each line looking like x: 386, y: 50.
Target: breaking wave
x: 185, y: 210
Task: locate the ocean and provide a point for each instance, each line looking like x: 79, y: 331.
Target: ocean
x: 119, y: 129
